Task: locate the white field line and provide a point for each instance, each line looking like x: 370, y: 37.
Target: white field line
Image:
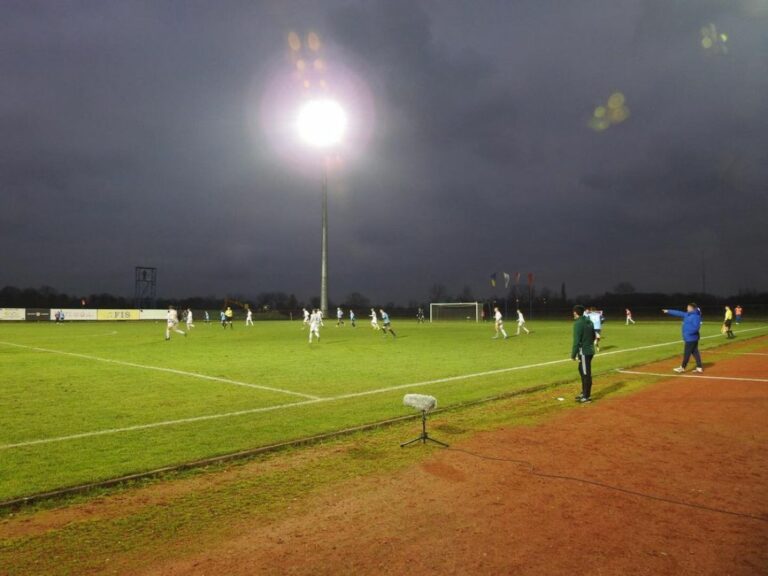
x: 159, y: 424
x: 748, y: 353
x: 161, y: 369
x: 316, y: 400
x: 697, y: 376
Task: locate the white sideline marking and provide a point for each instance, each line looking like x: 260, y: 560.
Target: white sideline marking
x: 312, y: 400
x: 158, y: 424
x: 161, y: 369
x: 697, y: 376
x: 748, y: 353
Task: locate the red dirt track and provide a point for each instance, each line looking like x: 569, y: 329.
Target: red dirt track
x: 694, y: 440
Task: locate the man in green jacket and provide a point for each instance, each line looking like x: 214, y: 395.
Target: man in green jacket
x: 583, y: 350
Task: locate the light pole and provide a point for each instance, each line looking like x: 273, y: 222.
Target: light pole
x: 324, y: 245
x: 321, y: 124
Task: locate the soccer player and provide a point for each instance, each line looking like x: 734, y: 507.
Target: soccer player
x: 498, y: 323
x: 420, y: 315
x: 207, y: 317
x: 172, y: 323
x: 738, y: 310
x: 691, y: 327
x: 315, y: 321
x: 228, y: 315
x: 339, y: 317
x: 521, y: 323
x: 727, y: 321
x: 583, y: 350
x: 249, y: 317
x: 374, y: 320
x: 306, y: 317
x: 188, y: 318
x: 628, y: 313
x: 352, y: 317
x: 223, y: 318
x: 386, y: 324
x: 596, y: 317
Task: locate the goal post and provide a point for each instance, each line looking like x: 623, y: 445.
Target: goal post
x: 443, y: 311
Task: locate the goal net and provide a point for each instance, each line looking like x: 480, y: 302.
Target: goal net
x: 442, y: 311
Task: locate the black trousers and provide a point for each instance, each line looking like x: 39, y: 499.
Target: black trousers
x: 585, y: 371
x: 691, y: 348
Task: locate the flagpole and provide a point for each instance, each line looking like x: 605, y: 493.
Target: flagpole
x: 530, y: 295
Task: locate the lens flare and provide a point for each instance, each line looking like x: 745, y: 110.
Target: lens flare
x: 713, y: 41
x: 613, y: 112
x: 294, y: 42
x: 313, y: 41
x: 616, y: 100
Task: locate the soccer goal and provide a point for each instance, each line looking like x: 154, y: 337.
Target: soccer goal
x: 454, y: 311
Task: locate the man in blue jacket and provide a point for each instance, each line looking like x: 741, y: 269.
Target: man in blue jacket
x: 691, y: 326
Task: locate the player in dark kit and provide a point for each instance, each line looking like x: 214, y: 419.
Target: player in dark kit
x: 583, y: 350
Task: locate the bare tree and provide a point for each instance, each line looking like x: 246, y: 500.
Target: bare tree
x: 438, y: 293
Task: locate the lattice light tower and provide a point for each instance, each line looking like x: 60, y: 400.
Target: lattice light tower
x: 145, y: 291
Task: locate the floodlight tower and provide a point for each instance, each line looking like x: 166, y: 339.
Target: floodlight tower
x: 321, y: 124
x: 145, y: 288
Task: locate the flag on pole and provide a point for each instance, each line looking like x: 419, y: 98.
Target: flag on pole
x: 493, y: 279
x: 517, y: 278
x: 506, y: 279
x: 530, y: 278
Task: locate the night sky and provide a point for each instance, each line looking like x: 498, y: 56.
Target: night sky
x: 160, y: 134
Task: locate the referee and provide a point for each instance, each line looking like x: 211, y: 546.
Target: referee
x: 583, y: 350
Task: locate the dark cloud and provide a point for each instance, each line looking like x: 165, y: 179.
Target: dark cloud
x: 129, y: 139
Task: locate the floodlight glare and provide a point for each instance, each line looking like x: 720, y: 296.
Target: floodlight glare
x: 321, y: 123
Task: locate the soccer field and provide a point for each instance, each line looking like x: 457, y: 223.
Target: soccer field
x: 87, y: 402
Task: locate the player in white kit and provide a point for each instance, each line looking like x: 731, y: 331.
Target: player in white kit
x: 339, y: 317
x: 306, y: 317
x: 188, y: 318
x: 499, y: 323
x: 172, y: 323
x: 249, y: 318
x: 521, y: 323
x: 315, y: 321
x: 374, y: 320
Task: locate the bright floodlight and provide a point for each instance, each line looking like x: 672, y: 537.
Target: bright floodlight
x: 321, y: 123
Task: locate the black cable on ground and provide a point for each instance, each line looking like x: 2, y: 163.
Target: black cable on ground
x: 532, y: 470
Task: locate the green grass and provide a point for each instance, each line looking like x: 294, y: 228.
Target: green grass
x: 268, y: 487
x: 45, y: 396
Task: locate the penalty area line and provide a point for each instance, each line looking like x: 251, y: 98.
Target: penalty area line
x: 162, y: 369
x: 696, y: 376
x: 313, y: 399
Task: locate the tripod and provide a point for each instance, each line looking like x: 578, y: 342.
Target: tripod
x: 423, y: 437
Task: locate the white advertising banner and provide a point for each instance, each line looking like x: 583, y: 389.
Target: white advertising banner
x: 13, y: 313
x: 152, y: 314
x: 72, y: 314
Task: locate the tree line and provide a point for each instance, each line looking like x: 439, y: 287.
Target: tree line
x: 544, y: 301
